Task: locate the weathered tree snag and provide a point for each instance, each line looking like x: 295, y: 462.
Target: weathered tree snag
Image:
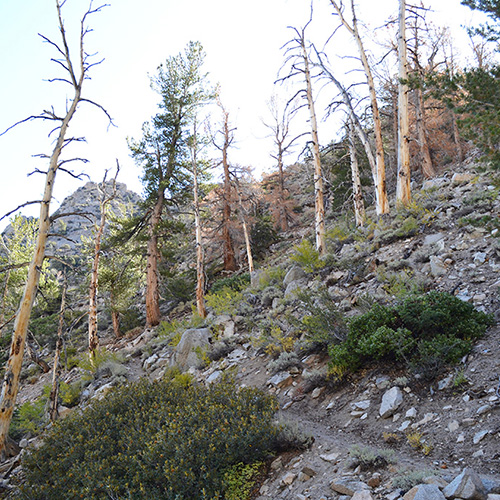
x: 10, y: 384
x: 104, y: 201
x: 403, y: 191
x: 427, y: 166
x: 241, y: 214
x: 319, y: 203
x: 357, y: 194
x: 229, y: 256
x: 382, y: 202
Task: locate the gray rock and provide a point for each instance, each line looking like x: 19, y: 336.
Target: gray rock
x: 479, y: 436
x: 280, y: 380
x: 255, y: 278
x: 347, y: 486
x: 330, y: 457
x: 295, y: 273
x: 467, y: 486
x: 214, y: 377
x: 192, y: 340
x: 294, y: 287
x: 461, y: 178
x: 424, y: 492
x: 362, y: 405
x: 362, y: 495
x: 433, y: 238
x: 437, y: 266
x: 391, y: 401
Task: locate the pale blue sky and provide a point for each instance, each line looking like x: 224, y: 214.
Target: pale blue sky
x: 242, y: 40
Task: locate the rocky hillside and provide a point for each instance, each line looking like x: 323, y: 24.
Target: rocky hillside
x: 383, y: 429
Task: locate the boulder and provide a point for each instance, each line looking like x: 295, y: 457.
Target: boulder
x: 192, y: 340
x: 348, y: 486
x: 294, y: 287
x: 295, y: 273
x: 467, y: 486
x: 391, y: 401
x: 424, y: 492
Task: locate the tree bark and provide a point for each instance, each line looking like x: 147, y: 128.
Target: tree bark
x: 248, y: 245
x: 229, y: 255
x: 403, y: 191
x: 115, y: 320
x: 427, y: 166
x: 319, y: 203
x: 359, y: 207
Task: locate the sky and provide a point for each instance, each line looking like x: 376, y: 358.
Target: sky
x: 243, y: 42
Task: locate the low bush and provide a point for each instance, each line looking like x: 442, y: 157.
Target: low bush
x: 224, y: 301
x: 307, y: 257
x: 152, y: 440
x: 426, y: 332
x: 322, y: 323
x: 237, y: 282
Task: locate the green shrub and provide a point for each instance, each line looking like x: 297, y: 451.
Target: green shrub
x: 139, y: 443
x: 240, y: 480
x: 322, y: 323
x: 272, y: 276
x: 28, y: 418
x: 237, y: 282
x: 307, y: 257
x: 225, y: 301
x: 369, y: 458
x: 425, y: 331
x: 440, y: 313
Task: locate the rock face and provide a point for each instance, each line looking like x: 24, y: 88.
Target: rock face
x: 85, y: 200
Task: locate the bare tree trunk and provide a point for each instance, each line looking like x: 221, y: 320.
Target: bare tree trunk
x: 359, y: 207
x: 425, y: 154
x: 248, y: 246
x: 382, y: 202
x: 115, y: 320
x: 318, y: 174
x: 200, y: 269
x: 229, y: 256
x: 105, y: 199
x: 153, y: 257
x: 456, y: 138
x: 403, y: 190
x: 56, y: 370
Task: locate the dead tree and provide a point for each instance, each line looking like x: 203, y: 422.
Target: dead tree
x: 105, y: 198
x: 357, y: 193
x: 227, y: 134
x: 283, y: 141
x: 241, y: 213
x: 75, y: 75
x: 403, y: 191
x: 297, y: 54
x: 381, y: 200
